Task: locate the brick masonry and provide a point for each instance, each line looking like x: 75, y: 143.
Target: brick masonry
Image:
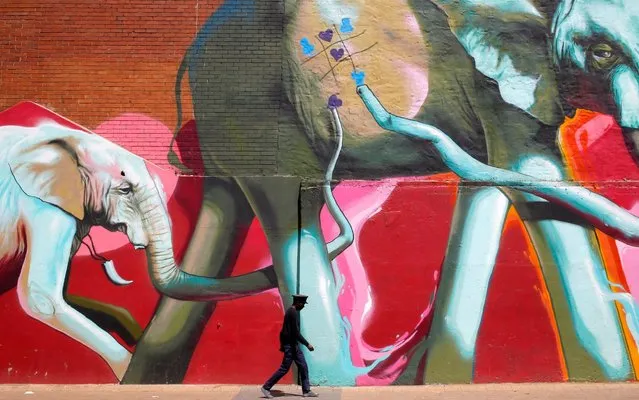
x: 91, y: 61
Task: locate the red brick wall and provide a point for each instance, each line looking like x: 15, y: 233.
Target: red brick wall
x: 94, y: 60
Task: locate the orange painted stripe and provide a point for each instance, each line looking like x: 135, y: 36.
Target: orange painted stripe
x: 607, y: 245
x: 544, y: 294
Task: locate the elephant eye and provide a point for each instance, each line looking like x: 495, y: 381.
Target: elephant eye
x: 603, y: 56
x: 125, y: 189
x: 602, y: 53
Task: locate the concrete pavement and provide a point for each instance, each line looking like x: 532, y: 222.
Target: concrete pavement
x: 562, y: 391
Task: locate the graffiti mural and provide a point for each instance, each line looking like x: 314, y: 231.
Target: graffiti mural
x: 450, y: 182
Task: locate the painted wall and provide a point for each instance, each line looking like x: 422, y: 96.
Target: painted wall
x: 450, y: 182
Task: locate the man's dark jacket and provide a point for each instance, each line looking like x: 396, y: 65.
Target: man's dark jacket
x: 290, y: 333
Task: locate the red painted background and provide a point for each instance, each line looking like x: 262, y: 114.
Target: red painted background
x: 53, y: 54
x: 401, y: 248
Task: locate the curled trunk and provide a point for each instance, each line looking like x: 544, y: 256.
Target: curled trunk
x: 171, y: 281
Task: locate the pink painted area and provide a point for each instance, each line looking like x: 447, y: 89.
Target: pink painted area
x: 30, y: 114
x: 361, y: 200
x: 412, y: 24
x: 629, y: 256
x: 593, y: 131
x: 404, y: 344
x: 140, y: 134
x: 418, y: 78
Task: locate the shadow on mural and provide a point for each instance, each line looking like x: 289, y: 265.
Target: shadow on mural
x: 452, y: 183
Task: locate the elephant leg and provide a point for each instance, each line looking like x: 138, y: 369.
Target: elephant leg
x: 590, y: 330
x: 40, y: 288
x: 109, y: 317
x: 591, y: 336
x: 475, y: 235
x: 289, y: 214
x: 167, y: 345
x: 587, y: 319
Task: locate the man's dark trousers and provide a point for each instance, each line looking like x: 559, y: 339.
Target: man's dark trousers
x: 291, y: 353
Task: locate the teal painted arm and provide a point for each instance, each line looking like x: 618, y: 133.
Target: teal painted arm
x: 346, y: 235
x: 596, y: 209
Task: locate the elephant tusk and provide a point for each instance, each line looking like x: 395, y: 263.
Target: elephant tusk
x: 109, y: 268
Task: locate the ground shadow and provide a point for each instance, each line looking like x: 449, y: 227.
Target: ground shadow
x: 279, y: 393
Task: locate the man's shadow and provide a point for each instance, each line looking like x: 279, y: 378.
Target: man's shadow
x: 279, y: 393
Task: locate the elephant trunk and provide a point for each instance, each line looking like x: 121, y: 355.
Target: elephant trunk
x: 171, y: 281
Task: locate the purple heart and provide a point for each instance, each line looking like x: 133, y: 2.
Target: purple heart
x: 337, y: 53
x: 334, y: 101
x: 326, y: 35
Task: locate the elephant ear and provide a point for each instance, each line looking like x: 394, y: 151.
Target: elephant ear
x: 509, y: 42
x: 46, y: 166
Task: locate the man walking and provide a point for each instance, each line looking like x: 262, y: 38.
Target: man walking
x: 290, y: 337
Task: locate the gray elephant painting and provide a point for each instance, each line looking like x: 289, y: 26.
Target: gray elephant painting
x: 497, y: 77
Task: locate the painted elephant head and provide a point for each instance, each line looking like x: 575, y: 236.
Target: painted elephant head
x: 552, y: 56
x: 595, y: 46
x: 100, y: 183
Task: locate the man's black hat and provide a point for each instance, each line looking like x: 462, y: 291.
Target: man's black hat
x: 300, y: 298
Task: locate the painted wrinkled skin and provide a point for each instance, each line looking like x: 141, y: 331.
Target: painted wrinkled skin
x: 595, y: 43
x: 489, y: 81
x: 592, y: 42
x: 572, y: 54
x: 596, y: 209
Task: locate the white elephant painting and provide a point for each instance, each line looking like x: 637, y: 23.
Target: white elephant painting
x: 55, y: 184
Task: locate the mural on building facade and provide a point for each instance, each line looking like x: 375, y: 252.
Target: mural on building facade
x: 496, y: 138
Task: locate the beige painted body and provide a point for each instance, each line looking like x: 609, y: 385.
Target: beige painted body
x: 395, y: 60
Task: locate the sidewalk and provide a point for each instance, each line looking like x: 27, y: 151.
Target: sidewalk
x: 563, y: 391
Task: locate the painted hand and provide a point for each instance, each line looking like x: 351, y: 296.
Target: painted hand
x: 358, y: 76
